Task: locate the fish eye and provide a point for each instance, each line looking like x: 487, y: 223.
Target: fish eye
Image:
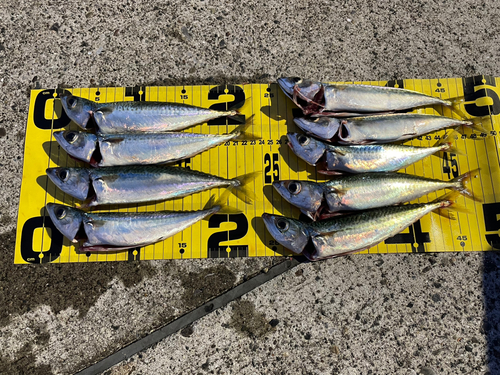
x: 296, y: 79
x: 71, y: 137
x: 303, y: 140
x: 60, y: 213
x: 63, y: 174
x: 282, y: 224
x: 294, y: 187
x: 72, y: 102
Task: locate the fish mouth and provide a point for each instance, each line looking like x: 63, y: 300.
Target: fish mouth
x: 287, y: 84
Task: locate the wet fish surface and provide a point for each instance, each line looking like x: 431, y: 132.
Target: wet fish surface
x: 349, y: 233
x: 376, y: 129
x: 121, y: 230
x: 134, y: 184
x: 131, y: 149
x: 136, y: 117
x: 334, y: 159
x: 323, y: 99
x: 365, y: 191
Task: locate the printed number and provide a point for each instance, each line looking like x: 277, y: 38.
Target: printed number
x: 278, y: 142
x: 262, y: 142
x: 269, y: 142
x: 182, y: 245
x: 462, y: 238
x: 273, y: 243
x: 268, y: 95
x: 471, y: 95
x: 39, y: 112
x: 450, y: 166
x: 31, y: 255
x: 473, y: 136
x: 97, y: 99
x: 253, y: 143
x: 440, y: 90
x: 491, y: 213
x: 184, y: 97
x: 493, y: 133
x: 437, y: 137
x: 215, y: 250
x: 239, y: 100
x: 235, y: 143
x: 275, y: 175
x: 428, y: 137
x: 244, y: 143
x: 415, y: 236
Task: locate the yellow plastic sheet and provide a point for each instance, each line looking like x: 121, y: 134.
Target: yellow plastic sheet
x: 244, y: 234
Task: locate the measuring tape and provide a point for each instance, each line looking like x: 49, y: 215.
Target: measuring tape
x: 244, y: 234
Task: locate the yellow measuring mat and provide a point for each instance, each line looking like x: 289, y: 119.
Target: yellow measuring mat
x: 244, y: 234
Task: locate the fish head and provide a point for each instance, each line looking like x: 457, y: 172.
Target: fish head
x: 66, y: 219
x: 78, y: 109
x: 80, y: 145
x: 306, y: 195
x: 322, y: 127
x: 306, y: 148
x: 73, y: 181
x: 306, y: 89
x: 288, y: 232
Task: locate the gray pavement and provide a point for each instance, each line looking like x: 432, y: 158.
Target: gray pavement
x: 387, y: 314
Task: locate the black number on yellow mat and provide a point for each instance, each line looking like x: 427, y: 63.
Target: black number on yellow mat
x: 185, y: 163
x: 491, y: 212
x: 239, y: 100
x: 471, y: 95
x: 450, y: 166
x: 56, y: 241
x: 275, y: 175
x: 215, y: 250
x: 414, y: 237
x: 39, y: 112
x: 136, y: 92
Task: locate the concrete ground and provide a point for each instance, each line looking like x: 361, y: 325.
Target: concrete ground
x: 387, y: 314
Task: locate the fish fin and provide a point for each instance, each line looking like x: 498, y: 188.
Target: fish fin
x: 222, y: 203
x: 466, y: 179
x: 455, y: 104
x: 337, y: 151
x: 329, y: 173
x: 449, y: 211
x: 446, y: 144
x: 477, y: 125
x: 241, y: 132
x: 339, y: 192
x: 243, y: 186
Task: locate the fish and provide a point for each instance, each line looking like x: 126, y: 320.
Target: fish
x: 365, y: 191
x: 321, y: 99
x: 136, y: 117
x: 376, y: 129
x: 346, y: 234
x: 106, y: 150
x: 114, y: 231
x: 134, y: 184
x: 335, y: 159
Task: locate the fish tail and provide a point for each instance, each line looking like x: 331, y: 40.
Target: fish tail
x: 455, y: 105
x: 241, y: 132
x: 464, y: 180
x: 448, y: 206
x: 477, y: 124
x: 243, y: 187
x: 446, y: 144
x: 220, y: 204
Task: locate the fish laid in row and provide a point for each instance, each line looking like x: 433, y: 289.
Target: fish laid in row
x: 320, y: 99
x: 114, y: 231
x: 365, y: 191
x: 105, y: 150
x: 377, y: 129
x: 333, y: 159
x: 346, y: 234
x: 134, y: 184
x: 136, y: 117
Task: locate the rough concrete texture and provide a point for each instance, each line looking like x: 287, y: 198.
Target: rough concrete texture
x: 60, y: 318
x: 402, y: 314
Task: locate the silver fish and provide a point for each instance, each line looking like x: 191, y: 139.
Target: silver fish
x: 121, y: 230
x: 350, y: 233
x: 365, y: 191
x: 133, y: 184
x: 350, y: 99
x: 136, y: 117
x: 146, y: 148
x: 376, y: 129
x: 359, y: 158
